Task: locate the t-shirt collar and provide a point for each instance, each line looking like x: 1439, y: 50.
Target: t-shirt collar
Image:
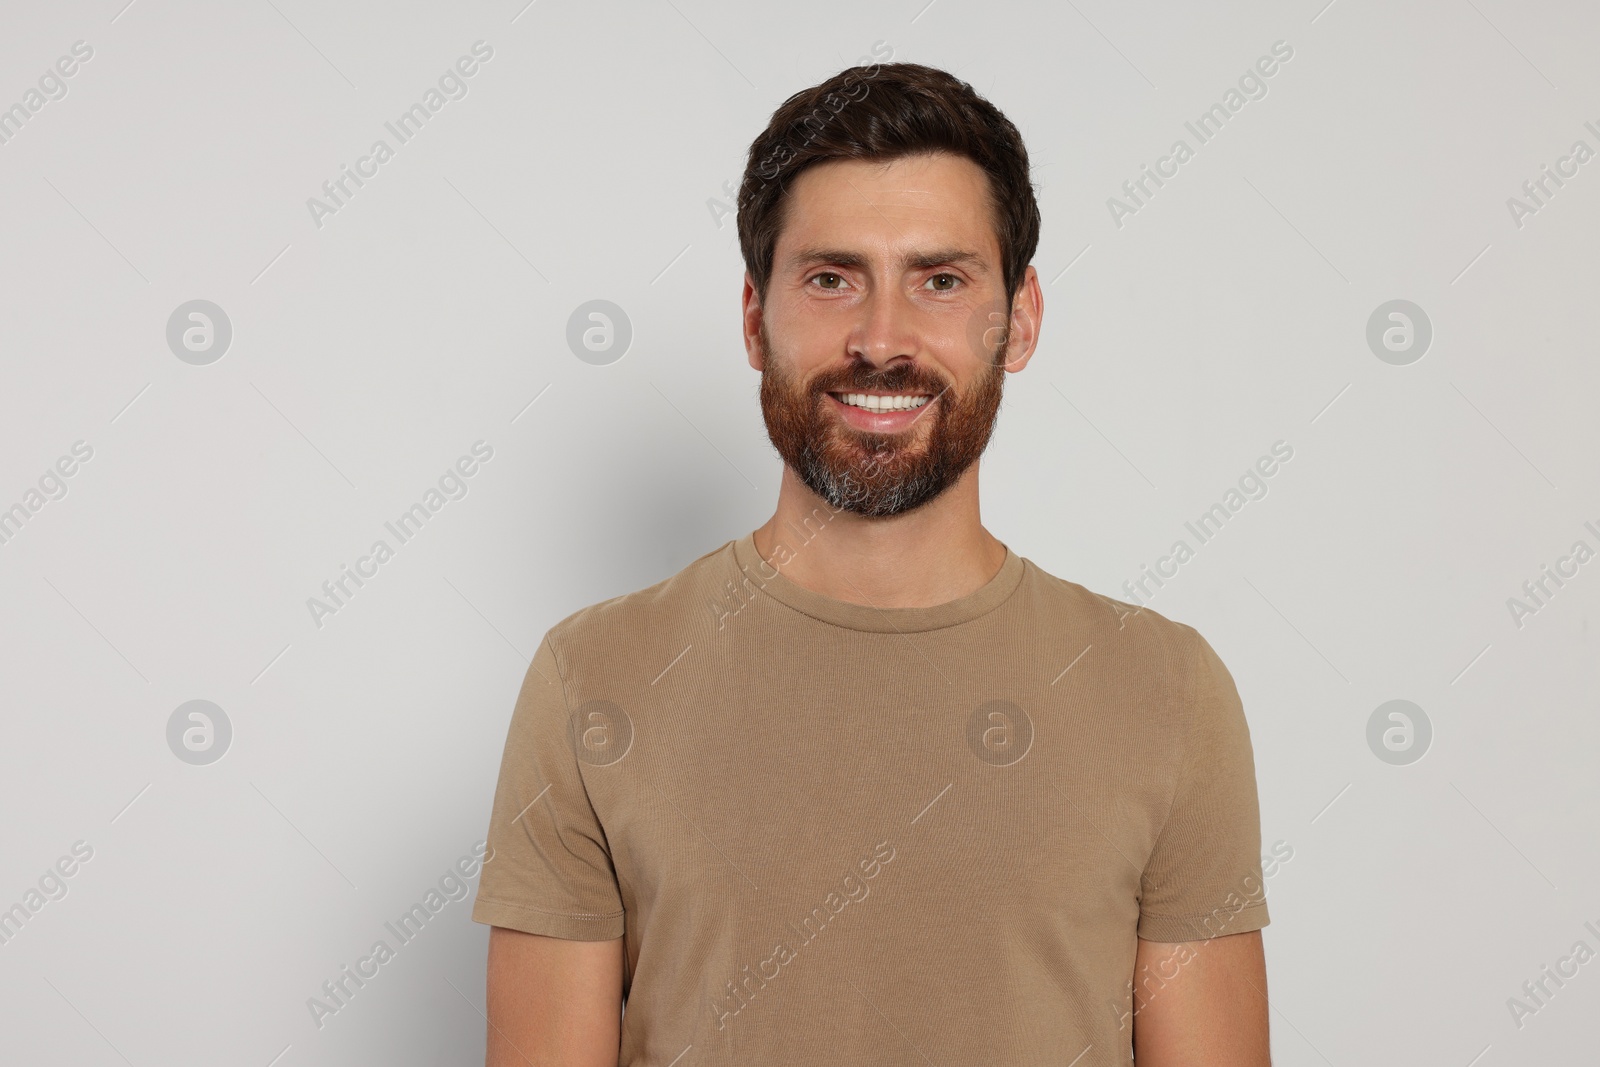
x: 768, y: 578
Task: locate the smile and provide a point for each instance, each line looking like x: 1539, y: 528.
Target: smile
x: 883, y: 401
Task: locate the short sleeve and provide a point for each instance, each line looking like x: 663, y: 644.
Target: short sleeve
x: 1203, y: 878
x: 548, y: 870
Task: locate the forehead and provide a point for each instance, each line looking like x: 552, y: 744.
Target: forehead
x: 933, y: 200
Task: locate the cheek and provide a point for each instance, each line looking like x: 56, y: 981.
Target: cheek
x: 984, y: 332
x: 810, y: 343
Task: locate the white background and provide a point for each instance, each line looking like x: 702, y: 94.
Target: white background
x: 585, y: 162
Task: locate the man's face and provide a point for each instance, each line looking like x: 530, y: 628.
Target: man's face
x: 882, y: 341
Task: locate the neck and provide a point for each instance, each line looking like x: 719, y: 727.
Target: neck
x: 931, y: 555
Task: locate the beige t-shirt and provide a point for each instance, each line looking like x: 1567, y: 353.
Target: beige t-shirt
x: 833, y: 833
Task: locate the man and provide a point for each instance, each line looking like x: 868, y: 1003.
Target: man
x: 864, y: 786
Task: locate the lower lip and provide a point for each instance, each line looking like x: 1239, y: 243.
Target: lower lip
x: 878, y: 422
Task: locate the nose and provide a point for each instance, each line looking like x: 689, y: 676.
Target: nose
x: 885, y: 331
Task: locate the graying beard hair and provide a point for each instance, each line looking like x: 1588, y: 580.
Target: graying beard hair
x: 848, y: 493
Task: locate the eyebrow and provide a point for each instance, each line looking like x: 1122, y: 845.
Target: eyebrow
x: 807, y: 257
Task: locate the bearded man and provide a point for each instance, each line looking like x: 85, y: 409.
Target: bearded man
x: 864, y: 785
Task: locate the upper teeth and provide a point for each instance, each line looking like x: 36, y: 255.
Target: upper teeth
x: 883, y: 403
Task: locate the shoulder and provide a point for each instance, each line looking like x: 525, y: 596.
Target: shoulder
x: 1134, y: 637
x: 633, y: 624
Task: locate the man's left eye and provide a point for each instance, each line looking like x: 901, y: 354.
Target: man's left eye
x: 951, y: 278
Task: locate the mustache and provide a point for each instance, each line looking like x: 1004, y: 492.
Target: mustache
x: 859, y: 379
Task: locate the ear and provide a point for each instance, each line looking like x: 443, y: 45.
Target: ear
x: 1027, y: 312
x: 750, y: 314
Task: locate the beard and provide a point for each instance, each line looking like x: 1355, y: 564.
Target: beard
x: 877, y: 474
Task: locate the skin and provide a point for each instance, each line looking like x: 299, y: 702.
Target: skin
x: 882, y: 311
x: 1212, y: 1014
x: 557, y: 1003
x: 553, y: 1002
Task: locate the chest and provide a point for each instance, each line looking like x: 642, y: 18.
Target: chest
x: 993, y: 792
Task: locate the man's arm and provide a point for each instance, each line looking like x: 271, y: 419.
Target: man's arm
x: 1201, y: 1003
x: 553, y: 1002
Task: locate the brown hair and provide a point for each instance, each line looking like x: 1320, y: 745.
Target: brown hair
x: 884, y: 112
